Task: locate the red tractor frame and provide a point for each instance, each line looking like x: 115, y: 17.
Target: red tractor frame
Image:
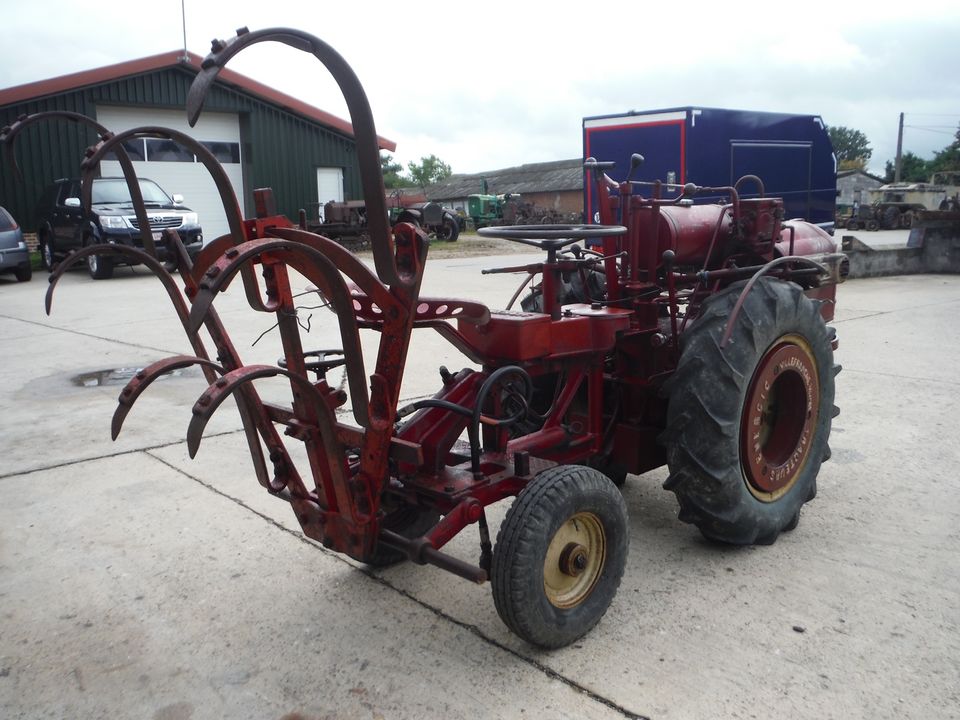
x: 691, y: 335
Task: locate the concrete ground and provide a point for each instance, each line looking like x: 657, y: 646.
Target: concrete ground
x: 136, y: 583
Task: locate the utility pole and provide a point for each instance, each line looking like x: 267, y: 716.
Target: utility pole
x: 183, y: 17
x: 896, y: 172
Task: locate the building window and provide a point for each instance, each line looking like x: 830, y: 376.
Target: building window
x: 134, y: 149
x: 224, y: 152
x: 167, y: 151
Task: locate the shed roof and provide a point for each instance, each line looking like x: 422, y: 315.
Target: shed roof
x: 554, y: 176
x: 856, y: 171
x: 176, y: 58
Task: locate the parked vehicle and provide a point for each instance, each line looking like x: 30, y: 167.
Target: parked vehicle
x: 14, y: 255
x: 716, y: 147
x: 512, y: 209
x: 63, y: 225
x: 442, y: 222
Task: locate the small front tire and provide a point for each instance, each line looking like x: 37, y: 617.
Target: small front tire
x: 560, y: 555
x: 99, y: 266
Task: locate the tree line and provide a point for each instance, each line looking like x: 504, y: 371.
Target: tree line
x: 853, y: 151
x: 429, y: 170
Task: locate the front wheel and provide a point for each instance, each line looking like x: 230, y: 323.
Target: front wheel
x: 449, y: 229
x: 560, y: 555
x: 100, y: 267
x: 748, y: 424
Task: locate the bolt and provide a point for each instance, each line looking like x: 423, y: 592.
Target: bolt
x: 221, y: 382
x: 203, y: 401
x: 216, y: 45
x: 232, y: 252
x: 580, y: 561
x: 213, y: 272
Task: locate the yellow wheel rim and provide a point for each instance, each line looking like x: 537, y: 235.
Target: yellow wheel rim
x: 574, y: 560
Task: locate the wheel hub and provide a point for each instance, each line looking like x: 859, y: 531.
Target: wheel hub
x: 779, y: 418
x: 574, y: 560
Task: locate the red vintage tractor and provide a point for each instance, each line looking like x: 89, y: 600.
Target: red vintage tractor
x: 690, y: 335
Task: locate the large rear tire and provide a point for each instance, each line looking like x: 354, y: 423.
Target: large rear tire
x: 748, y: 424
x: 560, y: 555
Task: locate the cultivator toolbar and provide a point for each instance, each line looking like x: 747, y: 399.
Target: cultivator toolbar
x: 570, y: 395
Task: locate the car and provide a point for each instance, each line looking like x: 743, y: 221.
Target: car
x: 63, y: 226
x: 14, y: 255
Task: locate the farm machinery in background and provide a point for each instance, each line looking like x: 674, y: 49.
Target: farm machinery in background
x: 510, y: 209
x: 895, y: 206
x: 346, y: 221
x: 703, y: 345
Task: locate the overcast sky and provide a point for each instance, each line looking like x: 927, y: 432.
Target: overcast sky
x: 486, y: 85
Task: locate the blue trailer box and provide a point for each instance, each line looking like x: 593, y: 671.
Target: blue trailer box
x: 712, y: 147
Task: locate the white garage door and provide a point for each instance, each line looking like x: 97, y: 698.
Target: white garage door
x: 174, y: 168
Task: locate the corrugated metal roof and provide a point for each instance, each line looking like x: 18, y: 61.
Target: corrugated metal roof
x: 554, y: 176
x: 74, y: 81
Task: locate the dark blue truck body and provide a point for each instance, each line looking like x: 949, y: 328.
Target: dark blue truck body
x: 792, y: 154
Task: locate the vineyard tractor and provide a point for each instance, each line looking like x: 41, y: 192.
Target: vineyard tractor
x: 696, y: 337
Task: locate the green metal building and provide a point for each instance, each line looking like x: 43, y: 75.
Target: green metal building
x: 262, y: 137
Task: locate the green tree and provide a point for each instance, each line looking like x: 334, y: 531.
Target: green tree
x: 429, y: 170
x: 849, y: 145
x: 392, y: 172
x: 912, y: 169
x: 948, y: 158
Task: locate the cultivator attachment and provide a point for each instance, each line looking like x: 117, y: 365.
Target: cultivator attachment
x: 591, y: 384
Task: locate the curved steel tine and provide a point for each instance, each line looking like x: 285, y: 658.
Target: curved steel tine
x: 346, y: 262
x: 214, y: 396
x: 228, y: 198
x: 316, y: 267
x: 8, y: 134
x: 129, y: 175
x: 154, y: 265
x: 209, y: 254
x: 142, y: 380
x: 368, y: 155
x: 89, y: 171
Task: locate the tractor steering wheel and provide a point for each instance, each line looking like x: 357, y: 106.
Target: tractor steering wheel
x: 550, y: 237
